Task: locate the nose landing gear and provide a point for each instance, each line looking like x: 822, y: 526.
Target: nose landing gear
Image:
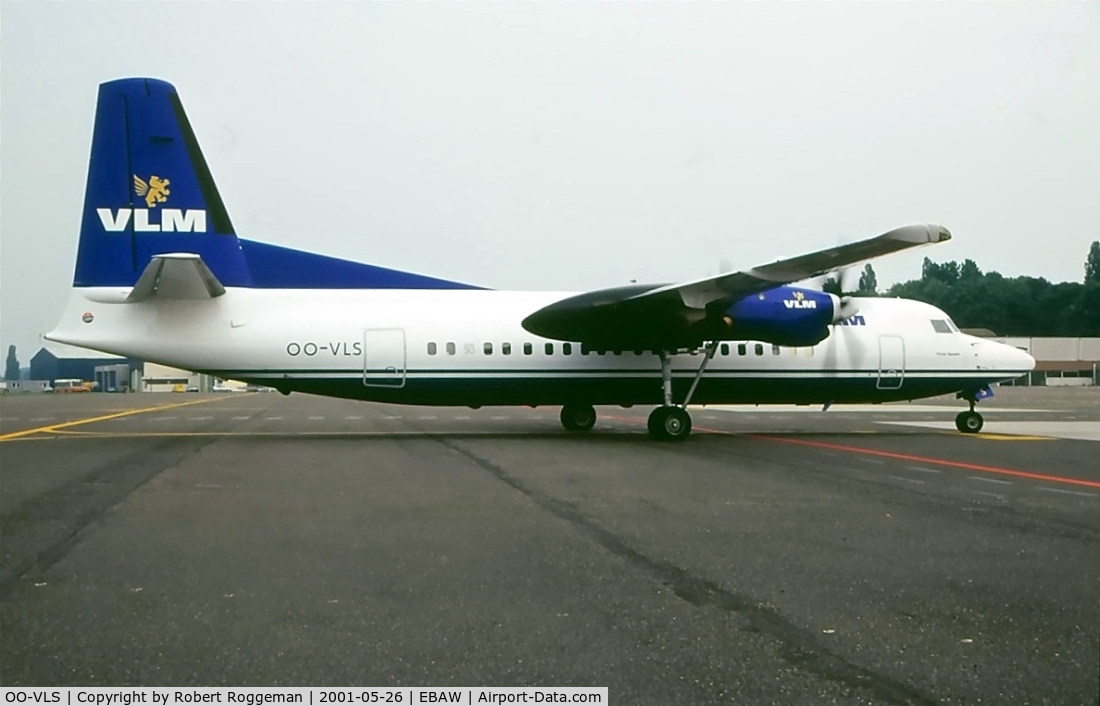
x: 971, y: 422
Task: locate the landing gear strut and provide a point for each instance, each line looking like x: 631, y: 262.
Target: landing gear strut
x: 671, y: 422
x: 578, y: 417
x: 969, y: 422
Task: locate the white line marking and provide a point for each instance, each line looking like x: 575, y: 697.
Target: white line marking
x: 923, y: 470
x: 41, y: 419
x: 500, y: 419
x: 162, y: 419
x: 982, y: 492
x: 315, y: 418
x: 357, y: 416
x: 427, y: 416
x: 464, y: 417
x: 271, y: 419
x: 238, y: 419
x: 872, y: 460
x: 907, y: 480
x: 991, y: 480
x: 199, y: 419
x: 397, y: 416
x: 1067, y: 492
x: 828, y: 453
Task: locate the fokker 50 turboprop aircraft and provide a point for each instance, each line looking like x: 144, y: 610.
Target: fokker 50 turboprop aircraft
x: 162, y: 276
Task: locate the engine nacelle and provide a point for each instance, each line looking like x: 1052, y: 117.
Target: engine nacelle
x: 785, y: 316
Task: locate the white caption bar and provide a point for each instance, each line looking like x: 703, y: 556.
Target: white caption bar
x: 309, y: 696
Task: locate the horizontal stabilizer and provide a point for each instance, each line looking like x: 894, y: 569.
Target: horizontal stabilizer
x: 176, y: 276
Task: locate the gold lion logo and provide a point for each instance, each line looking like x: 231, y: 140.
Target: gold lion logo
x: 155, y: 190
x: 799, y: 296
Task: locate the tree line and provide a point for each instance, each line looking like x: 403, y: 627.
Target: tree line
x: 1009, y: 306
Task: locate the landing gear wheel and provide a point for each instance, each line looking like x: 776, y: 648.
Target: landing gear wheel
x: 669, y: 424
x: 969, y: 422
x: 578, y: 417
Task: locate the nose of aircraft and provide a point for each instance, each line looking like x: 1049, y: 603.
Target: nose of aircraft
x: 1000, y: 356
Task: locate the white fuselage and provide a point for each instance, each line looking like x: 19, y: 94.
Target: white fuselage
x: 467, y: 347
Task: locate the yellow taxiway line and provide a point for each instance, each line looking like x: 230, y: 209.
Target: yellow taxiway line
x: 51, y: 428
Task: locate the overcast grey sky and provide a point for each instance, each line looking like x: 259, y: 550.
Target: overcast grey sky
x: 573, y: 146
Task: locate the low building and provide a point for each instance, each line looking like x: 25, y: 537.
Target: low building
x: 58, y: 361
x: 21, y: 386
x: 165, y: 378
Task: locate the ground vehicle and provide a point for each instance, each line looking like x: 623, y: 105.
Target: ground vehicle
x: 72, y: 385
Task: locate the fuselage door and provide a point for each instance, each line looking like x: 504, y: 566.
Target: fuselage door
x: 891, y: 362
x: 384, y: 357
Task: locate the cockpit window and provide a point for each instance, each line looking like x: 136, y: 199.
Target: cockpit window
x: 940, y: 326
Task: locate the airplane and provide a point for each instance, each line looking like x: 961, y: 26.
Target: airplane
x: 162, y: 276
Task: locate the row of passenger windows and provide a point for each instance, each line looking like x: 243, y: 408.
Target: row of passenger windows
x: 567, y: 349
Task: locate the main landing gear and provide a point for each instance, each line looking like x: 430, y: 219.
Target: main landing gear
x: 969, y: 422
x: 578, y: 417
x: 671, y: 422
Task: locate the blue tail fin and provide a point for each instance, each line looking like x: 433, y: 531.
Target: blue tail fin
x: 150, y: 191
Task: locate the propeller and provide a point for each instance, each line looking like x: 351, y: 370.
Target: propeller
x: 842, y: 283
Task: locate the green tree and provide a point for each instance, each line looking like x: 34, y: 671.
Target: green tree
x: 1092, y: 264
x: 868, y: 282
x: 969, y: 270
x: 1010, y: 306
x: 11, y: 367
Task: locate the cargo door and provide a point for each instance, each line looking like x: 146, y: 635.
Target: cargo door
x: 384, y: 357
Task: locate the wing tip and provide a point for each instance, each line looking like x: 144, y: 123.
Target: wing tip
x: 927, y: 233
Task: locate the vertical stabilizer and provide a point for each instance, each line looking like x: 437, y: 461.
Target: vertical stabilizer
x: 150, y: 191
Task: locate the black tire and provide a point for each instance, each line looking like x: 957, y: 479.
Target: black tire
x: 578, y: 417
x: 669, y: 424
x: 655, y: 422
x: 969, y: 422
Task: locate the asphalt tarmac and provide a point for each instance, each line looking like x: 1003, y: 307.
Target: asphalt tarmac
x: 779, y: 556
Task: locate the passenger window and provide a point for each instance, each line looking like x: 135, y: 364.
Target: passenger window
x: 567, y: 349
x: 488, y: 349
x: 940, y: 326
x: 775, y: 349
x: 742, y: 349
x: 617, y: 352
x: 639, y: 352
x: 725, y: 349
x: 549, y: 348
x: 585, y: 350
x: 506, y: 348
x: 431, y: 348
x: 759, y: 349
x: 450, y: 348
x: 527, y: 349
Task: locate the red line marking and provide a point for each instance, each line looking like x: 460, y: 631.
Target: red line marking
x: 900, y: 456
x: 925, y: 459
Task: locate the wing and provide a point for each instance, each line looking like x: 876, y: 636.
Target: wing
x: 676, y: 314
x: 140, y: 187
